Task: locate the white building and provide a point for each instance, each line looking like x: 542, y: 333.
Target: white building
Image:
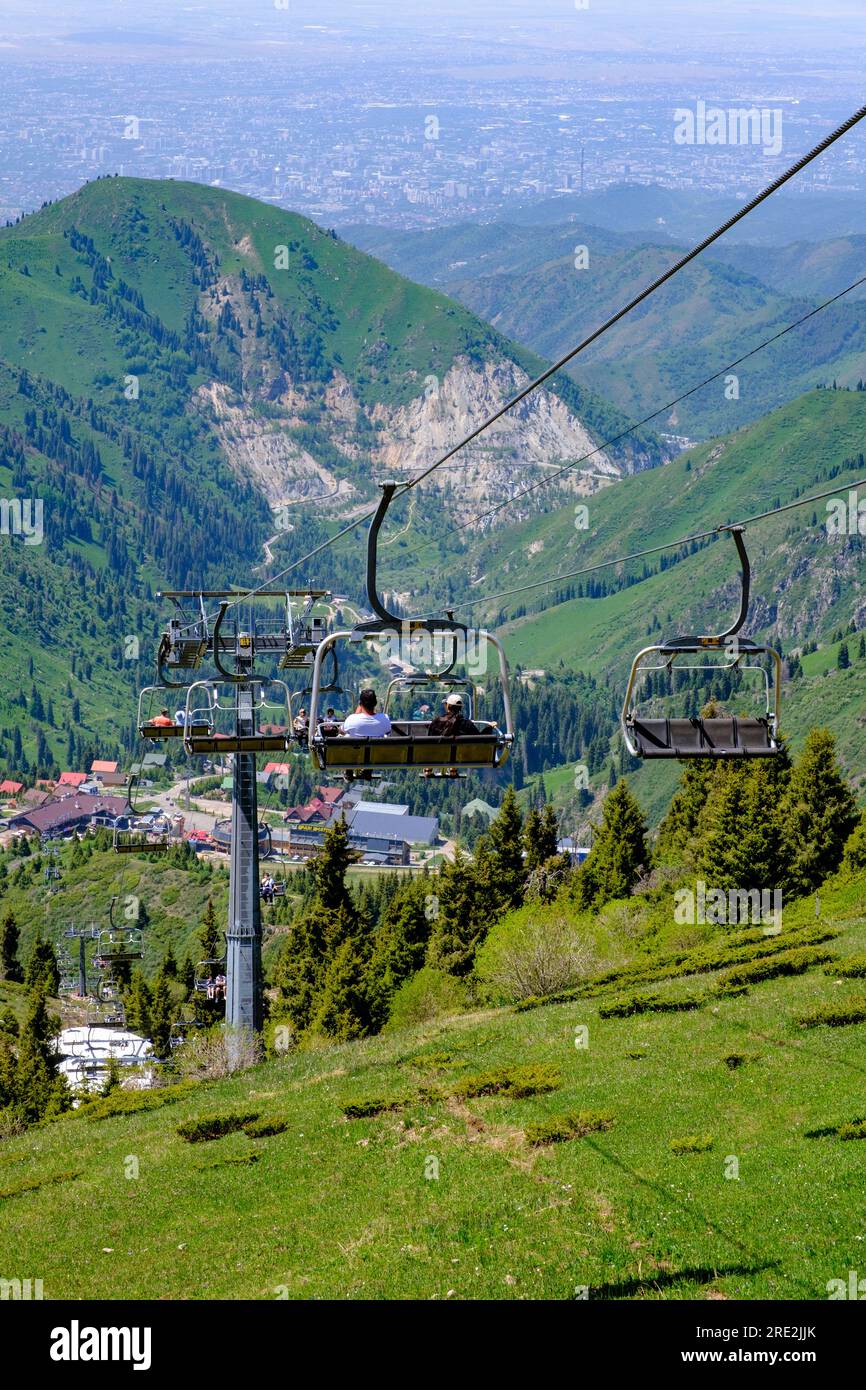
x: 86, y: 1053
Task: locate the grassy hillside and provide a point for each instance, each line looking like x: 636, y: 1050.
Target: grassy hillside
x: 441, y: 1194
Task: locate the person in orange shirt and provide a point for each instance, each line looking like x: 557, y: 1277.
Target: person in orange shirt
x: 163, y: 720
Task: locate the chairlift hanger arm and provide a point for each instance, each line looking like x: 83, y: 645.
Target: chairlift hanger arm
x: 384, y: 618
x: 718, y: 639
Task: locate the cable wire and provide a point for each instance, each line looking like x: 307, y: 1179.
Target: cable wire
x: 667, y: 545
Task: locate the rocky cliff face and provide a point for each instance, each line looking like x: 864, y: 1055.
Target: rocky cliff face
x: 260, y: 439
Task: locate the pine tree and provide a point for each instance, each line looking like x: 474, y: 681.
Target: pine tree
x: 676, y: 837
x: 861, y: 650
x: 330, y: 867
x: 210, y: 936
x: 39, y: 1091
x: 322, y: 973
x: 161, y: 1016
x: 854, y: 858
x: 343, y: 1008
x: 541, y: 837
x: 42, y: 971
x: 169, y: 963
x: 400, y: 943
x: 10, y: 968
x: 186, y: 975
x: 138, y: 1000
x: 619, y: 852
x: 505, y: 840
x: 843, y: 658
x: 819, y: 813
x: 463, y: 917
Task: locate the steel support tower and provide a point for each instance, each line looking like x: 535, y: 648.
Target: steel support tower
x: 244, y: 1009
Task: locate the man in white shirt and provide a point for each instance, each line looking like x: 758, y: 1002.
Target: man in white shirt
x: 365, y: 722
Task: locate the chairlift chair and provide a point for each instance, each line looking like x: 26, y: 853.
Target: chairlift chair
x: 207, y: 970
x: 133, y: 840
x: 730, y: 736
x: 202, y: 736
x: 409, y: 745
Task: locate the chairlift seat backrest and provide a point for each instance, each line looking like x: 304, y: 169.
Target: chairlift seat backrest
x: 704, y: 738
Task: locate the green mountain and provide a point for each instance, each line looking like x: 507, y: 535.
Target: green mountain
x: 526, y: 280
x: 185, y: 372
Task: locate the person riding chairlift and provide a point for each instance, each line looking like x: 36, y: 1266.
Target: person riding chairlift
x: 451, y: 723
x: 163, y: 720
x: 365, y: 722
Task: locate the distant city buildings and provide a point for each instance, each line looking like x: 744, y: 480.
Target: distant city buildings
x: 372, y: 146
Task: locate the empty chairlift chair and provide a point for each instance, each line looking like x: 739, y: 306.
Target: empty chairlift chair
x: 728, y: 736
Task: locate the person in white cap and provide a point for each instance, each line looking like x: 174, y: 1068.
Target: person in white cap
x: 451, y: 723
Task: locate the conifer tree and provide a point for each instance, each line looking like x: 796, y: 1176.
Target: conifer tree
x: 327, y: 952
x: 465, y: 891
x: 676, y: 837
x: 42, y: 970
x: 820, y: 813
x: 505, y: 841
x: 400, y: 943
x: 138, y: 1002
x: 619, y: 852
x: 210, y: 936
x: 10, y: 967
x: 186, y: 975
x: 8, y: 1072
x: 169, y: 963
x: 161, y: 1013
x: 39, y: 1091
x: 854, y: 858
x: 343, y: 1007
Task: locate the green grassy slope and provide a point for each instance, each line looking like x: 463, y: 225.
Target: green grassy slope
x: 336, y: 1207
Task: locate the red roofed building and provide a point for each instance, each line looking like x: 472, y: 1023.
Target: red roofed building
x: 281, y: 769
x: 319, y: 810
x: 10, y: 788
x: 100, y: 765
x: 72, y: 779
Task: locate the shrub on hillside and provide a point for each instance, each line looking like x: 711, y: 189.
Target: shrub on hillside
x: 692, y: 1144
x: 206, y: 1127
x: 836, y: 1015
x: 513, y: 1082
x: 429, y: 994
x: 851, y: 968
x: 534, y: 951
x: 785, y: 963
x: 218, y: 1052
x: 650, y: 1004
x: 560, y: 1128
